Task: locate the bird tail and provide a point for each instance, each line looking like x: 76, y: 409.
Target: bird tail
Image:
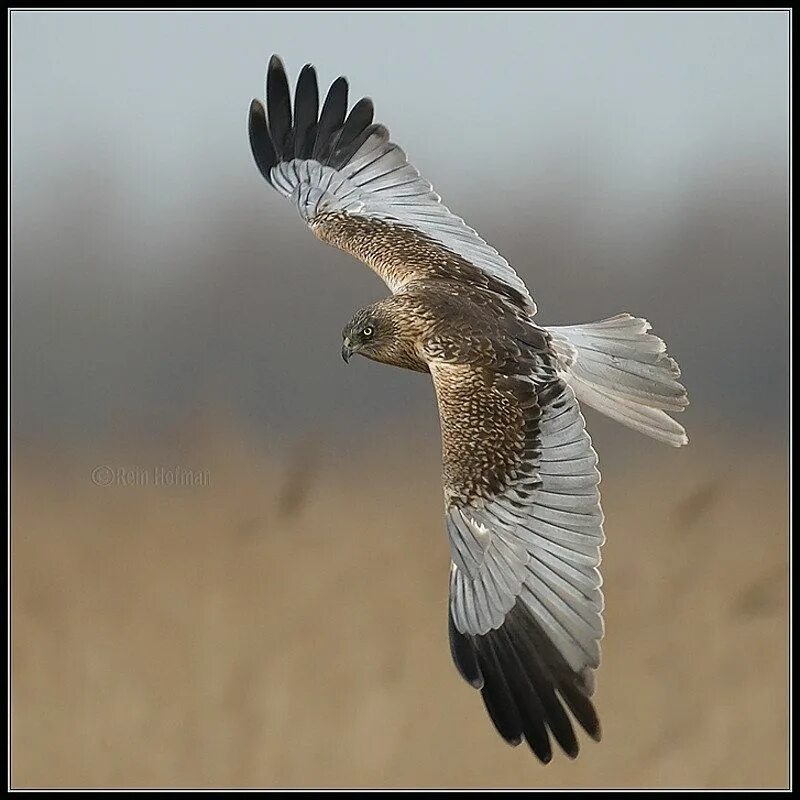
x: 624, y: 372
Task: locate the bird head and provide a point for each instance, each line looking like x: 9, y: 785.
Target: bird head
x: 365, y: 334
x: 384, y: 332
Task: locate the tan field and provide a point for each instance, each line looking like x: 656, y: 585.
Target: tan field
x: 274, y: 625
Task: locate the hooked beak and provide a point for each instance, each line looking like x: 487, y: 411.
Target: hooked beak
x: 347, y: 351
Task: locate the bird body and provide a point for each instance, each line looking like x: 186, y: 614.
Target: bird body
x: 522, y: 506
x: 443, y: 320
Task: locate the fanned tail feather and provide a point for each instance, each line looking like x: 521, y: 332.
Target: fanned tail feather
x: 618, y: 368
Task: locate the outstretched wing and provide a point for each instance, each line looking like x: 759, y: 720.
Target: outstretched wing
x: 525, y: 528
x: 357, y: 191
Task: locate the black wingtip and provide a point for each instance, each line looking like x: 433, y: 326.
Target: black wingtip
x: 525, y: 680
x: 331, y: 136
x: 358, y: 120
x: 308, y: 69
x: 279, y: 108
x: 571, y: 685
x: 257, y: 110
x: 464, y: 655
x: 331, y: 119
x: 260, y: 142
x: 306, y: 109
x: 341, y: 84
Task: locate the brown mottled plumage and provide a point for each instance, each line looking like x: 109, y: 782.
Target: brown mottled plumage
x: 401, y: 255
x: 480, y: 352
x: 522, y: 506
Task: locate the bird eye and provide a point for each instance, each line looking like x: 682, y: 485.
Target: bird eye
x: 367, y: 331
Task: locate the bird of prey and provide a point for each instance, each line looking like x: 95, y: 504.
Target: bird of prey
x: 522, y: 507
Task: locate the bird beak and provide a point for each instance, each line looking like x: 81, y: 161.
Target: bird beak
x: 347, y: 351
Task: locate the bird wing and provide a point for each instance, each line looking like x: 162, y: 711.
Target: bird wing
x: 357, y: 191
x: 525, y: 528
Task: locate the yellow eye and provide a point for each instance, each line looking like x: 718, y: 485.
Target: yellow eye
x: 367, y: 331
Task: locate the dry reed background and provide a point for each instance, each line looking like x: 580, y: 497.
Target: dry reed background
x: 237, y: 635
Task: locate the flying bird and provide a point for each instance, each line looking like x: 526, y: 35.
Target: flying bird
x: 522, y: 506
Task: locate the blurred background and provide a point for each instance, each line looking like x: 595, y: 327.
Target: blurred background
x: 229, y: 563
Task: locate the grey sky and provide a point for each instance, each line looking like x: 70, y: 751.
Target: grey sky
x: 641, y: 95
